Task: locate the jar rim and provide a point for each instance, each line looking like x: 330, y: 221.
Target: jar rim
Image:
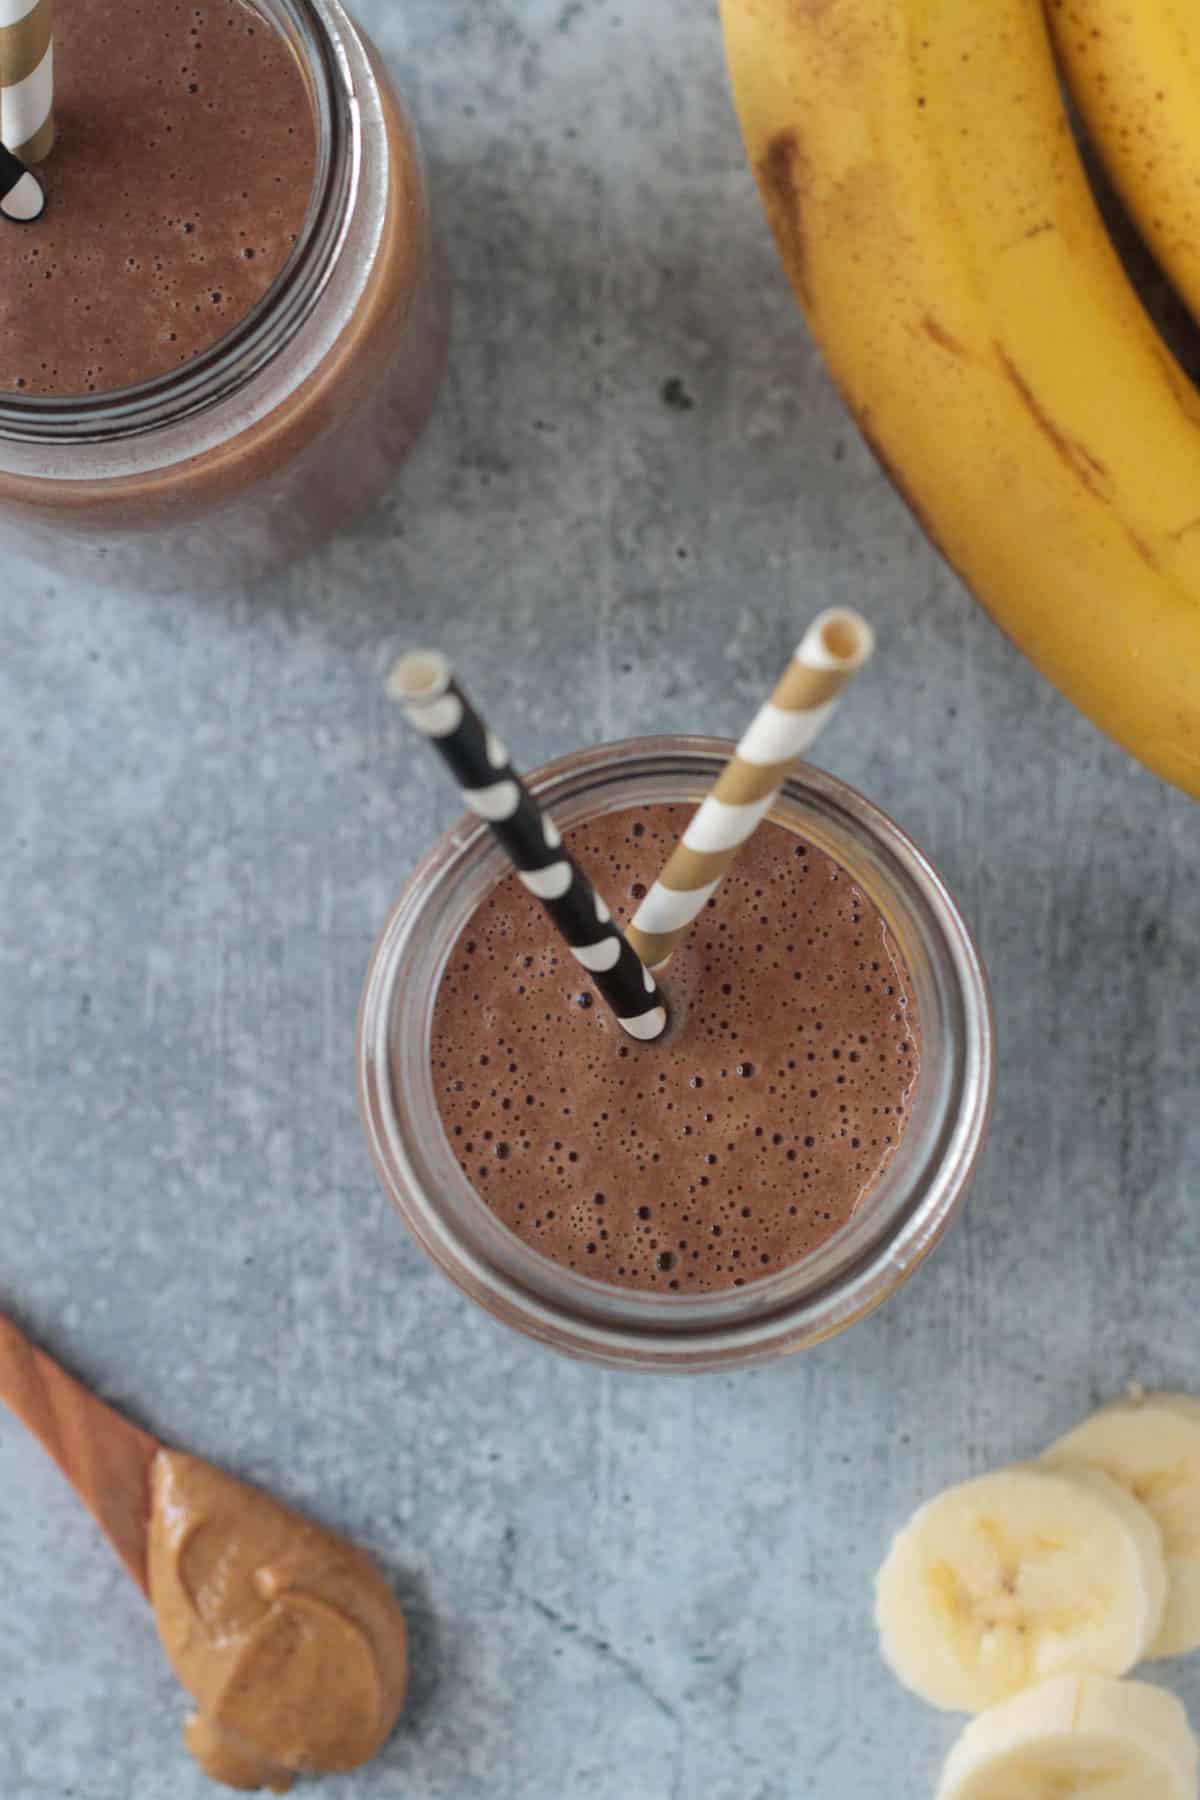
x: 221, y: 371
x: 892, y: 1230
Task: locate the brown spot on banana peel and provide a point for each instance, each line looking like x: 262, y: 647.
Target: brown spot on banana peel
x: 945, y: 340
x: 1144, y: 550
x: 862, y: 418
x: 1078, y: 458
x: 781, y: 176
x: 1093, y: 473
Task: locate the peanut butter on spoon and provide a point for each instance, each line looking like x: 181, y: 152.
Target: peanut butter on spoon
x: 285, y: 1635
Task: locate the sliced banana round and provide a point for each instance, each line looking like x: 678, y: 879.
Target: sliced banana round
x: 1151, y: 1445
x: 1077, y: 1735
x: 1008, y: 1580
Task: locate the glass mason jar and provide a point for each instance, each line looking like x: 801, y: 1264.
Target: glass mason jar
x: 259, y: 448
x: 894, y: 1227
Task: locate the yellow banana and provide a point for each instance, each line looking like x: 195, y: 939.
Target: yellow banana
x: 930, y: 207
x: 1133, y: 68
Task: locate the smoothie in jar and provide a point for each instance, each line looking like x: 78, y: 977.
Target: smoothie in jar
x: 729, y: 1149
x: 177, y: 193
x: 761, y: 1176
x: 223, y: 336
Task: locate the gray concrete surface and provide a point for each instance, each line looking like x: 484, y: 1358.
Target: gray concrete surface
x: 620, y: 1588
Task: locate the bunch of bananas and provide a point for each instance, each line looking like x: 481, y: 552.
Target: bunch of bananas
x: 919, y: 171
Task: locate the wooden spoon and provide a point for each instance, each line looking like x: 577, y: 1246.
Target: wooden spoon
x: 105, y: 1458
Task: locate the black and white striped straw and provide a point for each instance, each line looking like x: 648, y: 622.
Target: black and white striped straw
x: 434, y: 703
x: 22, y: 197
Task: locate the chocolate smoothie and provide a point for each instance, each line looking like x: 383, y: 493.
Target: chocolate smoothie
x: 735, y: 1146
x: 190, y: 145
x: 183, y: 169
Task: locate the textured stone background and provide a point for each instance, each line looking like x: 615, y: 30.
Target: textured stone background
x: 637, y: 485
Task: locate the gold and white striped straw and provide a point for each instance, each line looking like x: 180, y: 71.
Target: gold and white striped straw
x: 27, y: 78
x: 833, y: 649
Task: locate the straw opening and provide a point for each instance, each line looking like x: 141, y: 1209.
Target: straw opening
x: 839, y: 639
x: 418, y: 677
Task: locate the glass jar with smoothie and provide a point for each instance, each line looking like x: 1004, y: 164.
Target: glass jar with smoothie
x: 224, y: 334
x: 755, y: 1181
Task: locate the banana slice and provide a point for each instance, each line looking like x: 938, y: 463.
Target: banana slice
x: 1151, y: 1445
x: 1075, y: 1736
x: 1007, y: 1580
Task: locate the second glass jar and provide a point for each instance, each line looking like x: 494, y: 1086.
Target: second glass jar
x: 299, y: 418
